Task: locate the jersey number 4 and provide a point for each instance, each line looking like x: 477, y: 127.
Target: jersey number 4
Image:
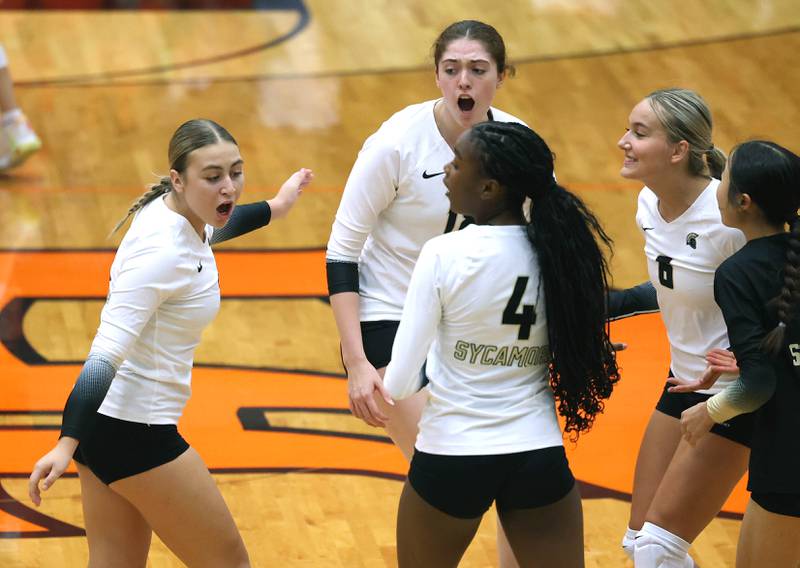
x: 665, y: 271
x: 528, y: 316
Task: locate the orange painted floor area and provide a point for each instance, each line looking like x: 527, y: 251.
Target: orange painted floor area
x: 213, y: 421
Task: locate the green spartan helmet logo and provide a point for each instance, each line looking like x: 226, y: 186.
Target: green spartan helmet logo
x: 691, y: 240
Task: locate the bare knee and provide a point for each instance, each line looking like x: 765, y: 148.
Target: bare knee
x: 235, y: 553
x: 109, y: 557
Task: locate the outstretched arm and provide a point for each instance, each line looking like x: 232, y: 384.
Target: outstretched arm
x: 641, y: 299
x: 252, y: 216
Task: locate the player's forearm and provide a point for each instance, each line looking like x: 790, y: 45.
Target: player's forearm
x: 346, y: 313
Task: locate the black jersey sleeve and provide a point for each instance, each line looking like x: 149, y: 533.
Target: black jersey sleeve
x: 245, y: 218
x: 87, y: 395
x: 640, y: 299
x: 342, y: 276
x: 743, y: 310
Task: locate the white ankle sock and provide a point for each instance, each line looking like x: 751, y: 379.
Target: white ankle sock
x: 10, y: 116
x: 656, y: 547
x: 627, y: 542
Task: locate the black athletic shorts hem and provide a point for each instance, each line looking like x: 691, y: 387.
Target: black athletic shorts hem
x: 378, y: 339
x: 116, y: 449
x: 738, y: 429
x: 466, y: 486
x: 787, y: 504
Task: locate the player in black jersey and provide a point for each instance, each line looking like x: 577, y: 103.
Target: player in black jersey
x: 758, y: 290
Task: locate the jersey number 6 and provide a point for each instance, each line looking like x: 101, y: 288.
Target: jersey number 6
x: 665, y: 271
x: 528, y: 316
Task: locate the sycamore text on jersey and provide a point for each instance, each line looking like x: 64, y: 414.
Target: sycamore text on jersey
x: 505, y: 355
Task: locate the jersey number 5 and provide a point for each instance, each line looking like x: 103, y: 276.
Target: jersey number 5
x: 665, y: 271
x: 528, y: 316
x: 794, y: 350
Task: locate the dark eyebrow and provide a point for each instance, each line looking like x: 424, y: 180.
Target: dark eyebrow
x: 216, y: 167
x: 471, y: 61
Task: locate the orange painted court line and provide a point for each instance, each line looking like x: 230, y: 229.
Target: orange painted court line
x: 9, y: 523
x: 85, y: 274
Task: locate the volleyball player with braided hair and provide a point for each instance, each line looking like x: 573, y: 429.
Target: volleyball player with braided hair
x: 137, y: 473
x: 758, y: 290
x: 678, y: 489
x: 393, y: 202
x: 514, y: 312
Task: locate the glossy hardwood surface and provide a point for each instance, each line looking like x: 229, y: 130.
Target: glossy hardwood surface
x: 103, y: 91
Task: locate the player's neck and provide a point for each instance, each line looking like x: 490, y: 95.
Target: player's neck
x: 676, y: 193
x: 505, y: 217
x: 179, y: 206
x: 756, y: 228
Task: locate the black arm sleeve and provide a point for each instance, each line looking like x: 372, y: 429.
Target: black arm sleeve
x: 245, y: 218
x: 342, y: 276
x: 86, y: 397
x: 743, y: 310
x: 640, y: 299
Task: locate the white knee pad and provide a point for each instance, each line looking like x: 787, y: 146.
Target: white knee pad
x: 627, y: 542
x: 658, y: 548
x: 3, y: 58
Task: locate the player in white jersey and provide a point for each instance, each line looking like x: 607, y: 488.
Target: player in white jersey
x: 137, y: 473
x: 394, y: 201
x: 668, y: 147
x: 497, y: 304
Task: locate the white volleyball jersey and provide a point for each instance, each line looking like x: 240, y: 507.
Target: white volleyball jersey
x: 489, y: 391
x: 682, y: 256
x: 393, y: 203
x: 164, y: 291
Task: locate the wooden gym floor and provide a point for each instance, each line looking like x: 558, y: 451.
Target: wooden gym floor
x: 303, y: 83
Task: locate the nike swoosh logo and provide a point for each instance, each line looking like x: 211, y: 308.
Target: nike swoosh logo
x: 426, y: 175
x: 647, y: 228
x: 199, y: 266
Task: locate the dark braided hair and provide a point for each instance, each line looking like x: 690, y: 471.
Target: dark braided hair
x: 770, y: 175
x: 564, y: 233
x: 189, y: 136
